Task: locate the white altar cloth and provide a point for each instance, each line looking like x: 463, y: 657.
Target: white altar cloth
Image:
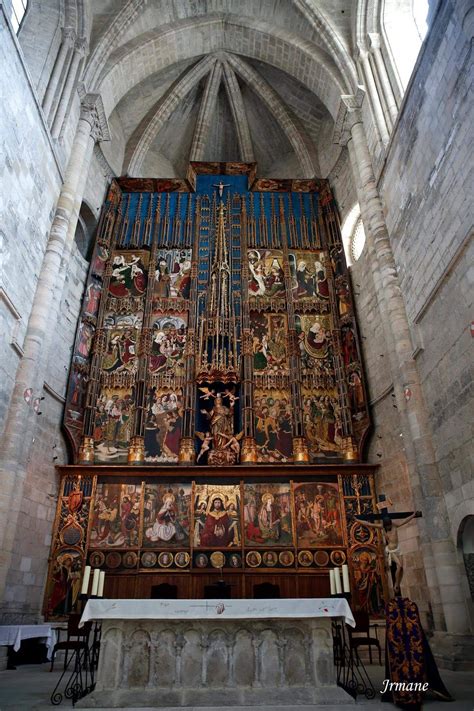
x: 217, y: 609
x: 12, y: 635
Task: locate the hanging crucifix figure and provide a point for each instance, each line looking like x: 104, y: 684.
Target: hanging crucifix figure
x: 220, y: 186
x: 389, y: 526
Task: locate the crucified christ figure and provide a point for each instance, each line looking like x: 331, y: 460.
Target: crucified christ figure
x: 392, y: 549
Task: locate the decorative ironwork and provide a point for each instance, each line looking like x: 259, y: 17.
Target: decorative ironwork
x: 350, y: 669
x: 78, y: 678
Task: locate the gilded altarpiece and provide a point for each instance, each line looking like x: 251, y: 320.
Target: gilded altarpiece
x: 217, y: 330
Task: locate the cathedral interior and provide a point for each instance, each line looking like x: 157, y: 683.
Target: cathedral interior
x: 236, y: 302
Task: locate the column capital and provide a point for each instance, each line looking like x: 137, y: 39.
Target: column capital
x: 69, y: 36
x: 92, y: 111
x: 374, y: 40
x: 348, y: 115
x: 81, y: 46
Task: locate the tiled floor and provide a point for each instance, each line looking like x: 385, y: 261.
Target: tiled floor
x: 30, y: 687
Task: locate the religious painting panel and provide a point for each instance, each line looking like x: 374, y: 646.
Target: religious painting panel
x: 64, y: 582
x: 121, y: 350
x: 68, y: 545
x: 266, y: 276
x: 315, y: 341
x: 92, y: 298
x: 167, y: 515
x: 308, y: 272
x: 355, y: 387
x: 164, y: 417
x: 129, y: 274
x: 99, y: 260
x: 168, y: 344
x: 112, y: 425
x: 84, y: 341
x: 367, y: 575
x: 269, y: 342
x: 173, y: 274
x: 318, y: 515
x: 322, y: 422
x: 216, y: 516
x: 273, y: 425
x: 267, y: 515
x: 116, y: 516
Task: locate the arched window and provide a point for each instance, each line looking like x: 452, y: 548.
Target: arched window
x: 18, y: 13
x: 405, y: 25
x: 353, y: 235
x: 357, y: 240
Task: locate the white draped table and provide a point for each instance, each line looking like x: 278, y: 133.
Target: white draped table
x: 12, y: 635
x: 201, y: 653
x: 217, y: 610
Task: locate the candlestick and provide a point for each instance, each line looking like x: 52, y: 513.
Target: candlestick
x: 332, y: 582
x: 95, y: 582
x: 100, y: 592
x: 85, y: 580
x: 345, y: 579
x: 337, y: 579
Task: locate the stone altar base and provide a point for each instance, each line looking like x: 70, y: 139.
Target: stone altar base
x: 208, y: 663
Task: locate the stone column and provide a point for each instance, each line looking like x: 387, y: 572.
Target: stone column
x: 68, y: 40
x: 79, y: 52
x: 439, y: 554
x: 379, y: 117
x: 19, y: 425
x: 385, y: 85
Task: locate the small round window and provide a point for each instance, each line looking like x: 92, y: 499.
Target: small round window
x: 357, y: 240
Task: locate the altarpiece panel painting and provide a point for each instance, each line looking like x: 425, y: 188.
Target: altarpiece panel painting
x: 216, y: 516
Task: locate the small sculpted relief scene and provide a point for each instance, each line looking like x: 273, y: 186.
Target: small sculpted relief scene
x: 216, y: 516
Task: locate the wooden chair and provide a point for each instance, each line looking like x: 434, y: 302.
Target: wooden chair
x: 362, y: 628
x: 266, y: 591
x: 77, y: 639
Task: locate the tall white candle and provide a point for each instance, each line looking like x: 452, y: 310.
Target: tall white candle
x: 332, y: 582
x: 337, y: 578
x: 95, y: 582
x: 345, y: 579
x: 100, y: 592
x: 85, y: 580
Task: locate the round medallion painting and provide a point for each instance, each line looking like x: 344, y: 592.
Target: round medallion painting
x: 305, y: 558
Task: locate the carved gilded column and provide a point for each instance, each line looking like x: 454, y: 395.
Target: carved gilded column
x: 300, y: 446
x: 330, y: 236
x: 136, y: 447
x: 248, y: 453
x: 187, y: 452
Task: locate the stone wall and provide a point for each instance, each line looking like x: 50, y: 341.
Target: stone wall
x: 427, y: 186
x: 31, y: 176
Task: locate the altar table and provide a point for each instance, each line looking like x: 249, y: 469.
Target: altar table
x: 239, y: 653
x: 12, y: 635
